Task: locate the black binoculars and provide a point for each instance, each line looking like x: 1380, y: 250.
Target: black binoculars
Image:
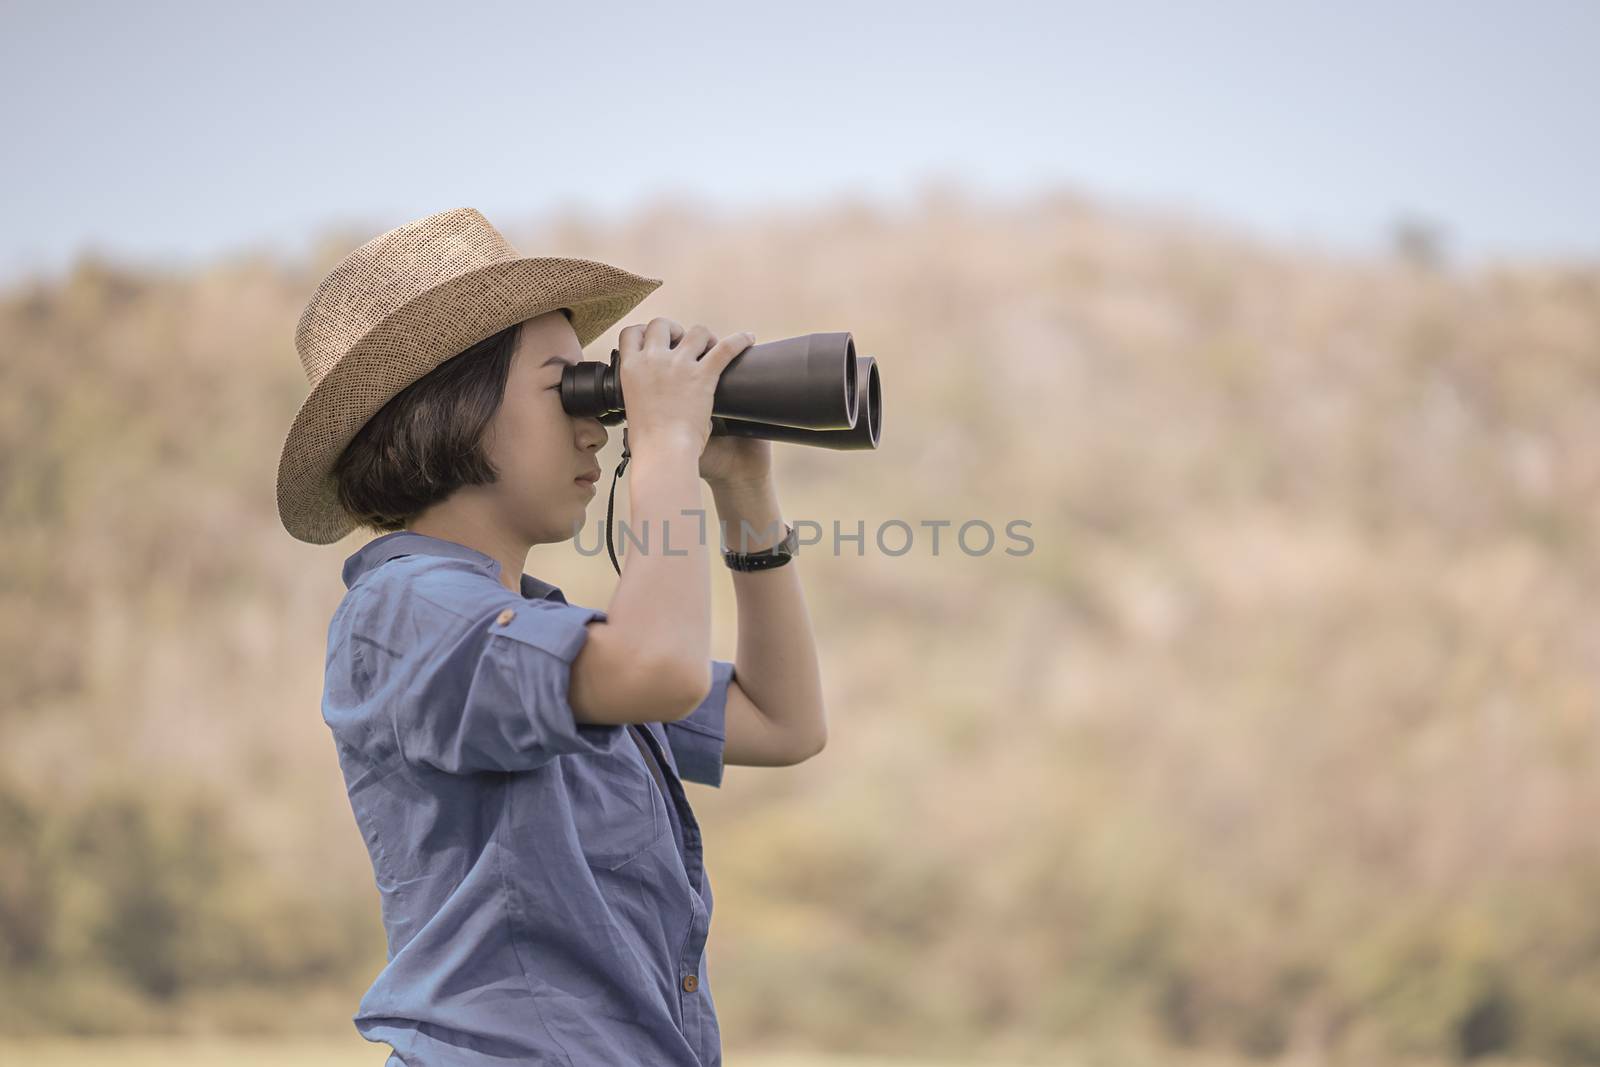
x: 807, y: 390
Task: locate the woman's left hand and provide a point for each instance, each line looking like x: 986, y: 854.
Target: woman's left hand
x: 736, y: 461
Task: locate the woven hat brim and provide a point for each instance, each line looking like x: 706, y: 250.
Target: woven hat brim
x: 437, y: 324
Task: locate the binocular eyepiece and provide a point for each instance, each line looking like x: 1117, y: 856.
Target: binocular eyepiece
x: 807, y: 390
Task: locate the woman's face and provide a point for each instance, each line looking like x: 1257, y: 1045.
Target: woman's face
x: 540, y: 450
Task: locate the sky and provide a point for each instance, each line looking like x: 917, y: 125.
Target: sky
x: 178, y: 132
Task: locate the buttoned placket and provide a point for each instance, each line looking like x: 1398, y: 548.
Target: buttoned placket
x: 691, y: 999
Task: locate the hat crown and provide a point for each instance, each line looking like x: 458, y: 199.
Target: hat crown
x: 372, y: 282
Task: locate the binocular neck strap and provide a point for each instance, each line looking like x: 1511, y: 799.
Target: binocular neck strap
x: 611, y: 500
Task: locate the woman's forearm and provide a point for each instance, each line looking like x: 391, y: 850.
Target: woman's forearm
x: 776, y: 661
x: 662, y: 600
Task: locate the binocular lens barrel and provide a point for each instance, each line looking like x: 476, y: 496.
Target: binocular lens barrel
x: 812, y: 390
x: 863, y: 436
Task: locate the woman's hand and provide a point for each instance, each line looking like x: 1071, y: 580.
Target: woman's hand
x: 650, y: 370
x: 669, y: 376
x: 736, y: 462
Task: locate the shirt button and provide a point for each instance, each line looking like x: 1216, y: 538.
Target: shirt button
x: 506, y: 616
x: 690, y: 983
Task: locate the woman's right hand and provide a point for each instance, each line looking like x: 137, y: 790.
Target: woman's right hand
x: 669, y: 378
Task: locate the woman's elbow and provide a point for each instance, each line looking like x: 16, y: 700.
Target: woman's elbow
x: 691, y: 684
x: 618, y: 681
x: 670, y: 688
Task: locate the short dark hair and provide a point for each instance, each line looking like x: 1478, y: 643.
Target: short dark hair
x: 427, y: 441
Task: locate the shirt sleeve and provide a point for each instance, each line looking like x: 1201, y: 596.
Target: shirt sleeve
x: 698, y: 739
x: 491, y: 694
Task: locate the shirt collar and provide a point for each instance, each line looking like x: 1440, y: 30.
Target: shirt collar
x: 408, y: 542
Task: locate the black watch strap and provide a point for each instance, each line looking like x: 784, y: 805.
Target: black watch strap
x: 766, y: 559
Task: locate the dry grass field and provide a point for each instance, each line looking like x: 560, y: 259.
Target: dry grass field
x: 1283, y: 742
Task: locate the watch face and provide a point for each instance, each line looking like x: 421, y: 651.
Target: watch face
x: 769, y: 557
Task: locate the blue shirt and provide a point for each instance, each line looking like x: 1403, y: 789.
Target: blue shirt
x: 543, y: 891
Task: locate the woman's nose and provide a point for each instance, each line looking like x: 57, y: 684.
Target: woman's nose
x: 592, y: 434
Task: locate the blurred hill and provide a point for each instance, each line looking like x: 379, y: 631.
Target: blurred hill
x: 1284, y: 740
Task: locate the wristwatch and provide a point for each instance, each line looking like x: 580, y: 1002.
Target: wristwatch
x: 767, y: 558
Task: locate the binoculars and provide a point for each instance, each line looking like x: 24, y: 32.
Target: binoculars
x: 808, y: 390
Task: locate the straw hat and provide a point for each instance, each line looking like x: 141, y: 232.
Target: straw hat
x: 396, y: 308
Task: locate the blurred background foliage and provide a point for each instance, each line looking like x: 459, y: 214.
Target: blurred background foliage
x: 1282, y: 741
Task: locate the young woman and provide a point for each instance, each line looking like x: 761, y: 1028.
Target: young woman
x: 515, y: 762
